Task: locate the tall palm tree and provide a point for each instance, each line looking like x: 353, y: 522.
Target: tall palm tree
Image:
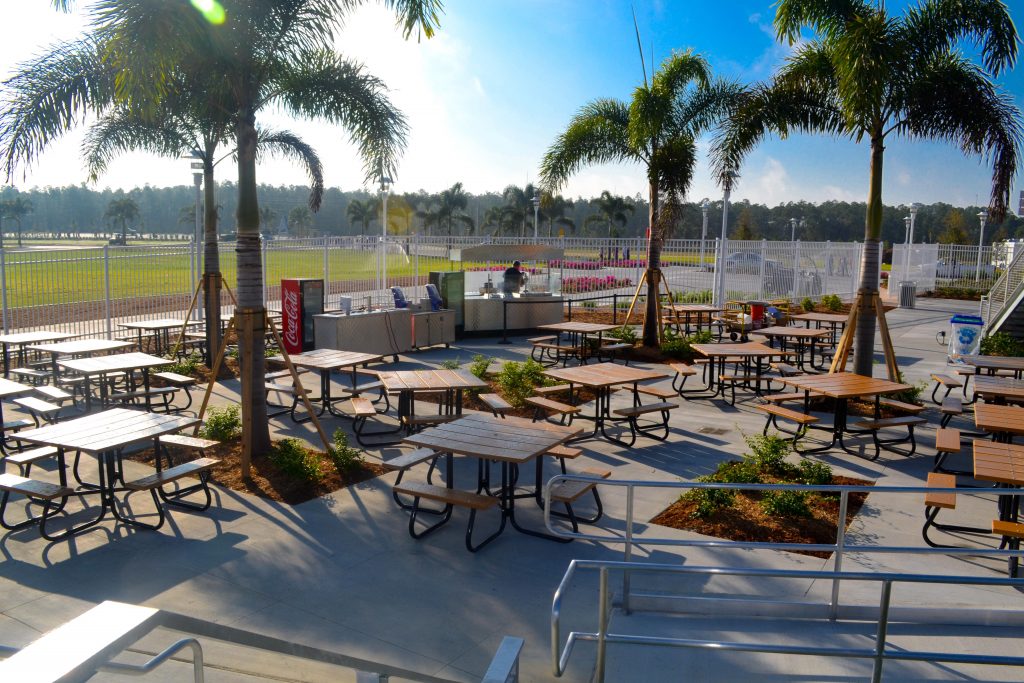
x: 266, y: 54
x: 121, y: 212
x: 519, y: 204
x: 363, y: 212
x: 267, y: 217
x: 555, y: 208
x: 496, y: 218
x: 300, y: 218
x: 450, y: 208
x: 658, y: 129
x: 15, y: 209
x: 613, y: 210
x: 866, y: 75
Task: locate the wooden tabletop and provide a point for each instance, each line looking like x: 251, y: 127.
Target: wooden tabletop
x: 792, y: 332
x: 329, y: 359
x: 584, y: 328
x: 692, y: 308
x: 999, y: 462
x: 81, y: 346
x: 999, y: 419
x: 108, y: 430
x: 994, y: 362
x: 429, y: 380
x: 999, y: 387
x: 9, y: 388
x: 745, y: 350
x: 512, y: 439
x: 603, y: 374
x: 33, y: 337
x: 833, y: 318
x: 158, y: 324
x: 116, y: 363
x: 844, y: 385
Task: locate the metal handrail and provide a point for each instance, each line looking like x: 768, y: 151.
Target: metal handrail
x: 1009, y: 281
x: 840, y: 548
x: 879, y: 653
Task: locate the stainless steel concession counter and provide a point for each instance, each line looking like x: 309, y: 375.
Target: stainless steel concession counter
x: 484, y: 314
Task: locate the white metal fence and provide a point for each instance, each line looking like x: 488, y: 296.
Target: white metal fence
x: 935, y: 266
x: 89, y: 290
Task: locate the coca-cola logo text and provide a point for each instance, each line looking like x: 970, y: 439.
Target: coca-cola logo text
x: 290, y: 306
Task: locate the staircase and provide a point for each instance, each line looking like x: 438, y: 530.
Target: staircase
x: 1001, y: 309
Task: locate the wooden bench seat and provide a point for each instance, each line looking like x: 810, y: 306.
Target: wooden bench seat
x: 546, y: 339
x: 193, y: 443
x: 55, y: 394
x: 1008, y: 528
x: 496, y: 403
x: 786, y: 369
x: 427, y: 420
x: 910, y: 408
x: 410, y: 459
x: 783, y: 398
x: 164, y: 394
x: 167, y: 476
x: 155, y: 483
x: 950, y: 408
x: 176, y: 379
x: 776, y: 412
x: 546, y: 405
x: 362, y: 407
x: 934, y: 501
x: 947, y: 443
x: 25, y: 459
x: 474, y: 502
x: 886, y: 422
x: 572, y: 490
x: 653, y: 390
x: 38, y: 408
x: 949, y: 382
x: 31, y: 375
x: 278, y: 374
x: 682, y: 373
x: 565, y: 452
x: 873, y: 426
x: 15, y: 425
x: 36, y: 490
x: 633, y: 413
x: 553, y: 389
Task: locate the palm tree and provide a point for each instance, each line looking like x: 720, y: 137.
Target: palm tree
x: 362, y: 212
x: 866, y: 75
x: 658, y: 129
x: 496, y: 217
x: 265, y: 54
x: 16, y: 209
x: 267, y: 218
x: 519, y: 204
x: 301, y: 219
x: 122, y: 212
x: 450, y: 208
x: 555, y: 208
x: 612, y: 209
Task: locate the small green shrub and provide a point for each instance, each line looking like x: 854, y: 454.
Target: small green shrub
x: 518, y: 380
x: 589, y: 304
x: 451, y: 364
x: 624, y: 334
x: 185, y: 366
x: 1001, y: 344
x: 808, y: 304
x: 681, y: 348
x: 709, y: 501
x: 478, y: 368
x: 814, y: 473
x: 698, y: 297
x: 737, y: 472
x: 911, y: 395
x: 785, y: 503
x: 222, y: 424
x: 768, y: 454
x: 832, y: 302
x: 345, y: 458
x: 296, y: 461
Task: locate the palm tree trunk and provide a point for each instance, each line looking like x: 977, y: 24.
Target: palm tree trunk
x: 250, y: 313
x: 211, y: 260
x: 651, y: 321
x: 864, y: 342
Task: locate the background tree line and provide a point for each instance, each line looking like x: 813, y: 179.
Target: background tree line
x: 81, y: 210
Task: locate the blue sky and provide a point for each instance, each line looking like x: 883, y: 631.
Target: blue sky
x: 488, y: 95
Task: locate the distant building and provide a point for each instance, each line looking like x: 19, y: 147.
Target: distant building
x: 1020, y: 204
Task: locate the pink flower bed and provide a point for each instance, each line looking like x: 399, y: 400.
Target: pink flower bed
x: 501, y: 269
x: 575, y: 285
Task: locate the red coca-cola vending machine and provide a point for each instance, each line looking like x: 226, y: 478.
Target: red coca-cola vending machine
x: 301, y: 299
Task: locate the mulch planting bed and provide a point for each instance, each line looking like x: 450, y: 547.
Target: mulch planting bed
x: 267, y: 480
x: 747, y: 521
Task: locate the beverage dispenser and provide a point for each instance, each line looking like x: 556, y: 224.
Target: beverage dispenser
x: 301, y: 299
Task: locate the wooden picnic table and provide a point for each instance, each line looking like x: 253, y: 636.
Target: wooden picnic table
x: 408, y: 383
x: 1003, y: 464
x: 999, y: 389
x: 326, y: 361
x: 805, y: 340
x: 719, y: 354
x: 21, y: 340
x: 78, y: 347
x: 602, y: 379
x: 703, y: 314
x: 509, y: 441
x: 121, y: 362
x: 842, y: 386
x: 9, y: 389
x: 579, y: 333
x: 836, y: 322
x: 991, y: 364
x: 1002, y: 421
x: 161, y: 328
x: 103, y: 435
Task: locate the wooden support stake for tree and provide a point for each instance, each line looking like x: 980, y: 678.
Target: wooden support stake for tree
x: 296, y: 383
x: 890, y: 352
x: 215, y: 370
x: 636, y: 295
x: 659, y: 280
x: 191, y: 307
x: 846, y: 341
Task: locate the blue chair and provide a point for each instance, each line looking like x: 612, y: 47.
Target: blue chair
x: 436, y: 302
x: 399, y: 295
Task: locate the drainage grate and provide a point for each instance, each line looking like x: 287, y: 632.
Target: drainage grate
x: 714, y: 431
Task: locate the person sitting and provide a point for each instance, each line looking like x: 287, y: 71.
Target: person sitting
x: 513, y: 279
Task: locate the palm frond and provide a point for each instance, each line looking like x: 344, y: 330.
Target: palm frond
x: 828, y: 17
x: 866, y: 60
x: 328, y: 87
x: 596, y: 134
x: 673, y: 163
x: 703, y: 108
x: 123, y: 131
x: 972, y: 114
x: 936, y: 27
x: 285, y: 144
x: 680, y: 70
x: 422, y: 16
x: 48, y: 96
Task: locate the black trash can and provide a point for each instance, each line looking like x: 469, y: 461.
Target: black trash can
x: 908, y: 292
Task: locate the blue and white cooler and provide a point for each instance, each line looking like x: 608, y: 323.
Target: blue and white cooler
x: 964, y: 336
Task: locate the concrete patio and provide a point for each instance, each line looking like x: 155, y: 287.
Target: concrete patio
x: 342, y: 572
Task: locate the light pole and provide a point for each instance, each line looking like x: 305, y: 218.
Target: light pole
x: 197, y: 179
x: 704, y: 204
x: 729, y: 177
x: 536, y: 214
x: 385, y: 190
x: 982, y: 216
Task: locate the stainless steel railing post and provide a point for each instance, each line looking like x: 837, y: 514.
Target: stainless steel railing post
x: 628, y: 554
x: 833, y: 606
x: 883, y: 627
x: 602, y: 628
